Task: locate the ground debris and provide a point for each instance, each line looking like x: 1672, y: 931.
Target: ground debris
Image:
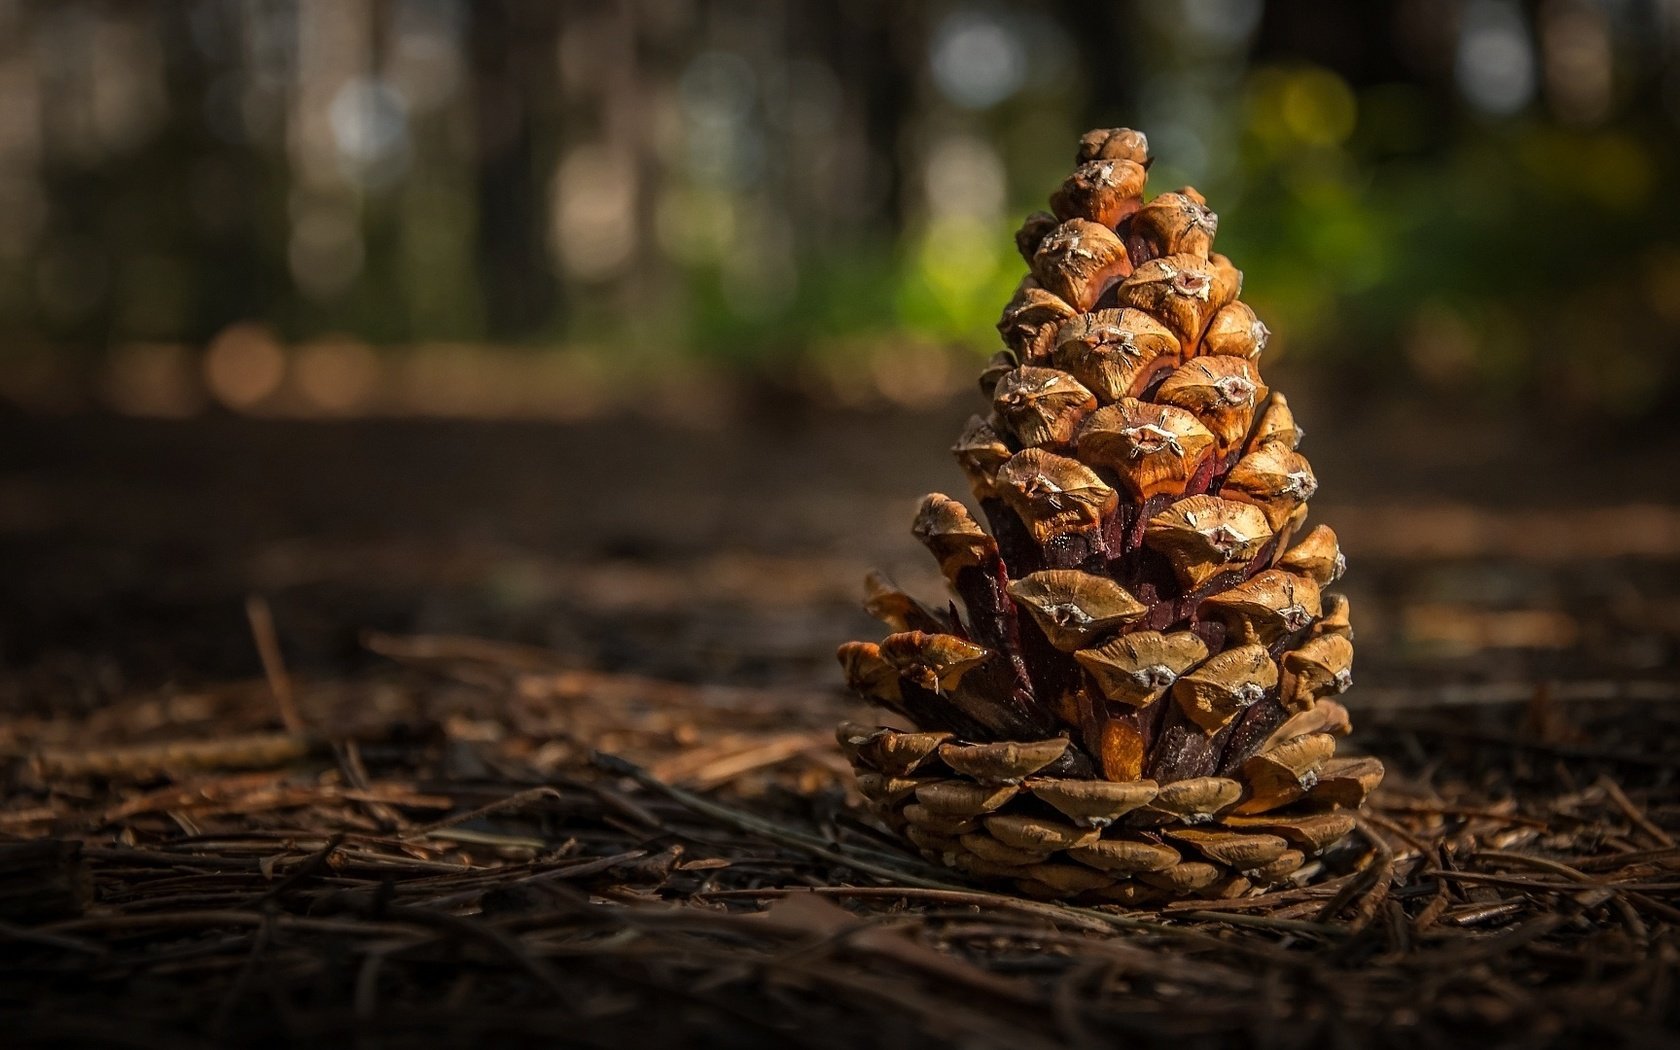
x: 496, y: 854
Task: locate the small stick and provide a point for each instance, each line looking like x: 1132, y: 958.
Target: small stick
x: 274, y: 665
x: 1369, y: 888
x: 349, y: 755
x: 1634, y: 813
x: 29, y: 935
x: 257, y: 751
x: 512, y: 801
x: 1264, y: 922
x: 1539, y: 863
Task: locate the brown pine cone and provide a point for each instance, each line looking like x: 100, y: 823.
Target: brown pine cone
x: 1138, y: 704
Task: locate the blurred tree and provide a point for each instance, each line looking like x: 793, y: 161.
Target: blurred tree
x: 512, y: 44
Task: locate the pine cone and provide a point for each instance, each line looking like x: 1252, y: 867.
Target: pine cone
x: 1138, y: 703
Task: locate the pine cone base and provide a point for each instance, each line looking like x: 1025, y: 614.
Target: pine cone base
x: 1136, y: 698
x: 987, y: 811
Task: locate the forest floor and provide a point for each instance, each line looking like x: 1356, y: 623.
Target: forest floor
x: 427, y: 733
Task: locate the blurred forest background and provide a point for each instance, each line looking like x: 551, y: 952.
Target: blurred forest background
x: 511, y: 208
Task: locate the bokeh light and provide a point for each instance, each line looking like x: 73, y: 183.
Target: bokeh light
x: 244, y: 366
x: 337, y: 376
x: 1495, y: 63
x: 769, y: 189
x: 977, y: 61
